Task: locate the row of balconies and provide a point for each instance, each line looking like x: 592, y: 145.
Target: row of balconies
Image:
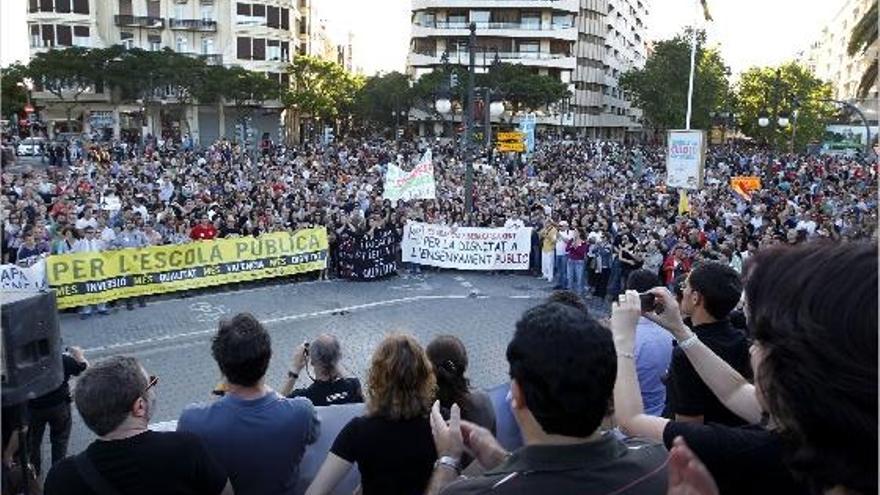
x: 561, y: 5
x: 149, y: 22
x: 532, y: 59
x: 502, y: 29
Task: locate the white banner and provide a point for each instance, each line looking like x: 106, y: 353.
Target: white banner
x: 685, y: 156
x: 17, y: 278
x: 416, y: 184
x: 467, y: 248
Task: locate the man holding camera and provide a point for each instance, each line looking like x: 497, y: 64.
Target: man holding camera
x: 328, y: 387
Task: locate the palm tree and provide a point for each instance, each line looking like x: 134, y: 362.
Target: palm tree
x: 863, y: 35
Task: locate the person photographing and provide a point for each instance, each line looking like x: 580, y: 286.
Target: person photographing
x: 329, y: 385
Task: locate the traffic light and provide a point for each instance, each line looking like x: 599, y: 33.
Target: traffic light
x: 453, y: 80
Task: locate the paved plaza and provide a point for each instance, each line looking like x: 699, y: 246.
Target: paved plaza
x: 171, y: 336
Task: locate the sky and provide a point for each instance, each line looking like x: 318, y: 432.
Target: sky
x: 748, y: 32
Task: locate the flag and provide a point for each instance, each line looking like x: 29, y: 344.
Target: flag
x: 744, y: 186
x: 683, y: 205
x: 706, y: 14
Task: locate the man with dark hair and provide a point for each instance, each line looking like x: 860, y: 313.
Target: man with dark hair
x: 568, y: 298
x: 653, y: 348
x: 562, y: 369
x: 709, y: 293
x: 329, y: 386
x: 251, y: 415
x: 115, y: 399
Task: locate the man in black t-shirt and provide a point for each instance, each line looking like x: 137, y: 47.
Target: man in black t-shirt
x: 710, y: 292
x: 53, y: 409
x: 116, y: 399
x: 329, y: 386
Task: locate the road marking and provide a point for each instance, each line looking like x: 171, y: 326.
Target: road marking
x: 522, y: 296
x: 234, y: 291
x: 268, y: 321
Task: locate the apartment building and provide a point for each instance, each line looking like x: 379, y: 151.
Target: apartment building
x: 826, y: 56
x: 258, y: 35
x: 585, y: 44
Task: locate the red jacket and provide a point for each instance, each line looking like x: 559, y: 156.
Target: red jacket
x: 670, y: 270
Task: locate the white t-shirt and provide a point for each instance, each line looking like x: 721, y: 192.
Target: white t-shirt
x: 82, y: 223
x: 808, y: 225
x: 562, y: 241
x: 514, y: 223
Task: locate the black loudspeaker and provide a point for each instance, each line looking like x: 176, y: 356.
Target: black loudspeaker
x: 30, y: 357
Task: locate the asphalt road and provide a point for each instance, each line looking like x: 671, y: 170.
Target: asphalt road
x: 171, y: 336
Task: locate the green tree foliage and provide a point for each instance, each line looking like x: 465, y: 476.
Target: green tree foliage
x: 382, y: 94
x: 66, y: 74
x: 660, y: 88
x: 13, y: 96
x: 864, y: 35
x: 522, y: 88
x: 760, y: 92
x: 320, y: 88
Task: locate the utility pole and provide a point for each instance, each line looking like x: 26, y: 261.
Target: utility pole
x: 469, y: 129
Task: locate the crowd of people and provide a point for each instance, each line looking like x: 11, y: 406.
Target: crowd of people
x: 598, y: 210
x: 787, y: 406
x: 740, y: 356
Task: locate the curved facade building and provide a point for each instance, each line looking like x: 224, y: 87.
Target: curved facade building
x: 586, y: 44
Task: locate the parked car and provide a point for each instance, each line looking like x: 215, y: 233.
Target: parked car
x: 31, y: 146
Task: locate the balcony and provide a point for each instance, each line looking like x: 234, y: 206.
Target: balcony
x: 209, y: 58
x: 531, y: 59
x: 563, y: 5
x: 204, y: 25
x: 497, y: 29
x: 139, y: 21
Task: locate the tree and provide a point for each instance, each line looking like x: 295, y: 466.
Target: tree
x: 660, y: 88
x: 320, y: 88
x: 775, y: 91
x: 14, y: 96
x: 521, y: 87
x: 864, y: 35
x: 382, y: 94
x: 245, y: 90
x: 66, y: 74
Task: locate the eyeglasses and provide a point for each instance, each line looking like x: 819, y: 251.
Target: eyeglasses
x: 151, y: 382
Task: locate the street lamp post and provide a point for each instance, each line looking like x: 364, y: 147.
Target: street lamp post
x: 469, y: 129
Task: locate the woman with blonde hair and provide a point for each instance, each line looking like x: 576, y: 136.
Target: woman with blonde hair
x: 392, y: 444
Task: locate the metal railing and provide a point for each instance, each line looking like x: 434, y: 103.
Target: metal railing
x: 193, y: 24
x: 495, y: 25
x: 145, y: 21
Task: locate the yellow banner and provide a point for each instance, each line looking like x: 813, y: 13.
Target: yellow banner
x: 744, y: 185
x: 510, y: 136
x: 90, y: 278
x: 508, y: 147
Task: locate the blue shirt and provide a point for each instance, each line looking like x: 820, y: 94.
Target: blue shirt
x: 259, y: 442
x: 653, y: 353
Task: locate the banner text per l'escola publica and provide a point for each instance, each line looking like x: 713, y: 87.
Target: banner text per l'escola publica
x: 90, y: 278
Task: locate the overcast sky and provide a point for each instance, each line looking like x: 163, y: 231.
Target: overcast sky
x: 749, y: 32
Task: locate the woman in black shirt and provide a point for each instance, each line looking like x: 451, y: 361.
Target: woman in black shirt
x: 392, y: 444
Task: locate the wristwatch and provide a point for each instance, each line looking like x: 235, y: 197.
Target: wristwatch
x: 449, y: 462
x: 291, y: 374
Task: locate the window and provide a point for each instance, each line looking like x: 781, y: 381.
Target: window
x: 561, y: 21
x: 33, y: 6
x: 125, y: 7
x: 62, y: 6
x: 480, y: 17
x: 48, y: 35
x: 65, y: 35
x: 127, y: 39
x: 529, y: 49
x: 207, y: 12
x: 285, y: 51
x: 273, y: 17
x: 530, y: 20
x: 285, y: 79
x: 35, y: 36
x: 181, y: 44
x: 259, y: 49
x: 259, y: 11
x: 180, y: 11
x: 155, y: 42
x: 243, y: 48
x: 457, y: 20
x: 285, y: 19
x: 207, y: 45
x: 46, y: 6
x: 243, y: 9
x: 153, y: 8
x: 273, y: 50
x: 428, y: 19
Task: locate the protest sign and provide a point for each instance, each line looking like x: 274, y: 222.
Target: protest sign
x: 745, y: 185
x: 17, y: 278
x: 415, y: 184
x: 90, y: 278
x: 366, y: 257
x: 467, y: 248
x: 685, y: 156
